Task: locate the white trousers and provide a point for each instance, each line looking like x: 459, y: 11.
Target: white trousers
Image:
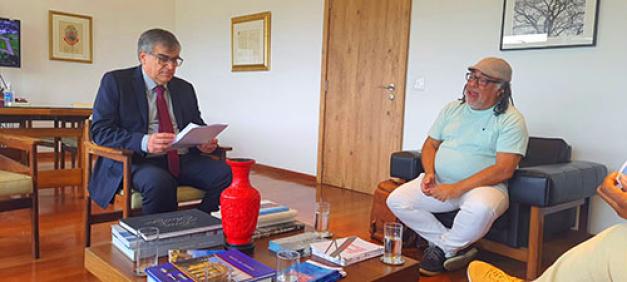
x: 478, y: 209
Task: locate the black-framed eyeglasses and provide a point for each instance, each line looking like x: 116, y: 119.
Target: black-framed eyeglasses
x: 164, y: 59
x: 481, y: 81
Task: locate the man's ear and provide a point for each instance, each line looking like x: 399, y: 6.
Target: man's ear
x: 142, y: 57
x: 501, y: 91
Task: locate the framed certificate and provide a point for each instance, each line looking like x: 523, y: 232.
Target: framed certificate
x: 250, y: 42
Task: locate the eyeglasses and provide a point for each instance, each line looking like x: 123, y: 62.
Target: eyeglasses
x: 481, y: 81
x: 164, y: 59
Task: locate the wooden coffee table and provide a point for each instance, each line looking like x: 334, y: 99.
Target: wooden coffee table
x: 107, y: 263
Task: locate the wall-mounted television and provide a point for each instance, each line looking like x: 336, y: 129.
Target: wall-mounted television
x: 9, y: 43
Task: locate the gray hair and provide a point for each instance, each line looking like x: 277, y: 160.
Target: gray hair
x: 152, y: 37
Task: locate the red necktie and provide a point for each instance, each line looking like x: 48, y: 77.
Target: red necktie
x: 165, y: 125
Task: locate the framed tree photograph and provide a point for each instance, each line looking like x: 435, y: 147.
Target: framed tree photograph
x: 250, y: 42
x: 536, y: 24
x: 70, y: 37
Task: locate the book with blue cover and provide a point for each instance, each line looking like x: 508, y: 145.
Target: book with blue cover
x: 268, y: 207
x: 172, y: 224
x: 193, y: 241
x: 241, y: 267
x: 308, y: 272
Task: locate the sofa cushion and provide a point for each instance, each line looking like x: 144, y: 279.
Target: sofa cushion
x: 541, y: 151
x: 15, y: 183
x: 183, y: 194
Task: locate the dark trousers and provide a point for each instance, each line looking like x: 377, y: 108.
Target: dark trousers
x: 158, y: 187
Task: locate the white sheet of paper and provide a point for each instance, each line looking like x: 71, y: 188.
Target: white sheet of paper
x: 194, y: 134
x: 622, y: 172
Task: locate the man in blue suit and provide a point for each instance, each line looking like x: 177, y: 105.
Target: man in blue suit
x: 142, y: 109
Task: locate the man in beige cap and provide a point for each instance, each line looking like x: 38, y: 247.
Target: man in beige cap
x: 473, y: 147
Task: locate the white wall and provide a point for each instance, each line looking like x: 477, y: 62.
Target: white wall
x: 577, y: 94
x: 272, y: 115
x: 116, y: 26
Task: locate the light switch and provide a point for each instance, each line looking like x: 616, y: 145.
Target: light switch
x: 420, y: 83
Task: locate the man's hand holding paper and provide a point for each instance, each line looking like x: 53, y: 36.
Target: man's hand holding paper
x: 208, y: 148
x: 201, y: 136
x: 160, y: 142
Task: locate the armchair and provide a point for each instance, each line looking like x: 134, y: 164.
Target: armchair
x: 187, y: 196
x: 544, y: 194
x: 18, y: 181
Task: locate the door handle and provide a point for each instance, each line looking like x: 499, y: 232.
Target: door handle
x: 390, y: 87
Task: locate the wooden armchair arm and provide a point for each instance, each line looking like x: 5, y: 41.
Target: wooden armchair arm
x: 23, y: 143
x: 220, y: 152
x: 120, y: 155
x: 123, y: 156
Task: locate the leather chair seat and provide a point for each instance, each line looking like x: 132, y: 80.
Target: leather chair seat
x: 15, y: 183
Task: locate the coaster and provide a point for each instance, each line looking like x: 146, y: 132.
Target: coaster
x: 399, y: 262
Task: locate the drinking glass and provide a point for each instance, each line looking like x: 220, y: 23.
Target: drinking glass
x: 146, y: 250
x: 286, y: 263
x: 321, y: 222
x: 393, y: 243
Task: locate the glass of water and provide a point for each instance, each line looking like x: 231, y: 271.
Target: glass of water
x: 146, y: 250
x: 321, y: 222
x: 286, y: 264
x: 393, y: 243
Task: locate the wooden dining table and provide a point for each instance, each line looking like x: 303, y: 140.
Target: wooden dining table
x: 51, y: 122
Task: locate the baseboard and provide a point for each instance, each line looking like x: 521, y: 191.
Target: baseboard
x: 284, y: 174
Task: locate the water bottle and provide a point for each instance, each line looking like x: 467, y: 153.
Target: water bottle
x: 8, y: 98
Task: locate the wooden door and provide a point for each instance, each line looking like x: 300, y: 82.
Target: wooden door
x: 363, y: 93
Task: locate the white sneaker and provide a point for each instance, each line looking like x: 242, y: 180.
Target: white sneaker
x: 460, y: 260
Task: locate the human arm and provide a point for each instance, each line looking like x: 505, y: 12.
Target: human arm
x: 614, y: 196
x: 106, y: 128
x: 429, y: 149
x: 502, y: 170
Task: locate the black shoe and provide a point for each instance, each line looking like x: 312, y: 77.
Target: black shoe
x: 432, y: 261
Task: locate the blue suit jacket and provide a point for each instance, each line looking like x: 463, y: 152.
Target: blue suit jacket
x: 120, y: 120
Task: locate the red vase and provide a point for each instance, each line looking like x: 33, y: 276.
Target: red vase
x: 239, y: 205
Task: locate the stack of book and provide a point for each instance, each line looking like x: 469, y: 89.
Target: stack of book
x: 273, y: 219
x: 183, y: 229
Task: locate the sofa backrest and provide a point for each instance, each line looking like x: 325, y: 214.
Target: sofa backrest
x: 542, y: 151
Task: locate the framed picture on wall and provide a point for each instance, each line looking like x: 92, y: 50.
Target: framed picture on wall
x: 536, y: 24
x: 70, y: 37
x: 250, y: 42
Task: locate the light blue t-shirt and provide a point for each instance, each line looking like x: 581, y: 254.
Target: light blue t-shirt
x: 471, y: 138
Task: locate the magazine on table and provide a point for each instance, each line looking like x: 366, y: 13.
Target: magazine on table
x: 346, y: 251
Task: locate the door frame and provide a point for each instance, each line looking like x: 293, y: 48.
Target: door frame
x: 324, y: 86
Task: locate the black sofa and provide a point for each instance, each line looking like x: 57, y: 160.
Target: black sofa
x: 544, y: 194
